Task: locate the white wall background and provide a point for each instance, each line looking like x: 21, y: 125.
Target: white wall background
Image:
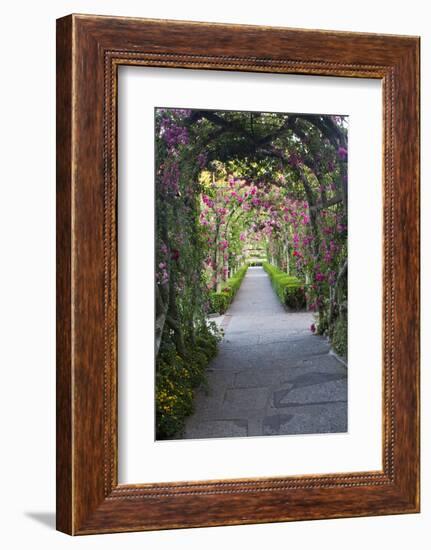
x: 27, y: 245
x: 141, y: 459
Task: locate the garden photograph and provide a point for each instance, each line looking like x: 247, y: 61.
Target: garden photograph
x: 251, y: 273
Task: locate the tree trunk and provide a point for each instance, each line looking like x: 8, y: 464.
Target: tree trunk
x: 333, y: 296
x: 172, y: 318
x: 161, y: 312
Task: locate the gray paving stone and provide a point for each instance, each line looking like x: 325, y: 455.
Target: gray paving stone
x: 219, y: 378
x: 255, y: 378
x: 276, y: 424
x: 246, y: 399
x: 272, y: 376
x: 217, y: 428
x: 316, y: 393
x: 307, y: 419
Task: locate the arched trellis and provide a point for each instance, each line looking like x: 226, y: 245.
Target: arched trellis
x: 265, y: 142
x: 255, y: 146
x: 246, y: 140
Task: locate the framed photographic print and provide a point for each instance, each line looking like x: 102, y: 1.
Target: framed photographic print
x: 237, y: 274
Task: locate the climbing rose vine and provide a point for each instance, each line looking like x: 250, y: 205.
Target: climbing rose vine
x: 232, y: 188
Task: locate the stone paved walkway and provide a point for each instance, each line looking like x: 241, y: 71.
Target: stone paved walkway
x: 272, y: 376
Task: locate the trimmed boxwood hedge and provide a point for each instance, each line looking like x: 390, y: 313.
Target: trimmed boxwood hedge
x: 255, y: 263
x: 220, y: 301
x: 290, y: 290
x: 338, y: 336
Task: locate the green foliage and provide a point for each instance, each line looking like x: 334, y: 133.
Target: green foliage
x: 220, y: 301
x: 290, y: 290
x: 177, y: 377
x: 255, y: 263
x: 339, y: 336
x: 232, y: 186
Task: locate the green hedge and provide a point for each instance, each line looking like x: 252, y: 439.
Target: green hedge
x: 338, y: 336
x: 176, y: 379
x: 290, y: 290
x: 255, y: 263
x: 220, y: 301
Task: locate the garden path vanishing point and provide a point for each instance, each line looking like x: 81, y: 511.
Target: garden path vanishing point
x: 272, y: 376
